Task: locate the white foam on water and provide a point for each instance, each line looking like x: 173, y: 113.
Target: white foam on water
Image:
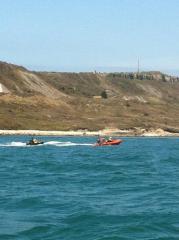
x: 66, y: 144
x: 13, y: 144
x: 53, y: 143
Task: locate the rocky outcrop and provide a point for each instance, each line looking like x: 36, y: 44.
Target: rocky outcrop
x: 3, y: 89
x: 152, y: 75
x: 93, y: 101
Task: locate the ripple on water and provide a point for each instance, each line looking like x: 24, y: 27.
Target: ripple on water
x: 70, y: 190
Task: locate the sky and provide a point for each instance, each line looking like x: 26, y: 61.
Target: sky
x: 88, y: 35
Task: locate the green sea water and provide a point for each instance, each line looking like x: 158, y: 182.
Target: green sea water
x: 67, y: 189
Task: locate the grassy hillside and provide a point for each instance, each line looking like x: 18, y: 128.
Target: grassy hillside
x: 63, y: 101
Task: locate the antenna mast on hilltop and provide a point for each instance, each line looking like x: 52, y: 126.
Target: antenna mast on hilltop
x: 138, y: 66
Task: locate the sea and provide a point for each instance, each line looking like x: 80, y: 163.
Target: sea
x: 67, y: 189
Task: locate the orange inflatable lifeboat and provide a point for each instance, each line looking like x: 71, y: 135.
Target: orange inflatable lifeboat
x: 109, y: 142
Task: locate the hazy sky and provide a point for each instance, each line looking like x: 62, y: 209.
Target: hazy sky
x: 83, y: 35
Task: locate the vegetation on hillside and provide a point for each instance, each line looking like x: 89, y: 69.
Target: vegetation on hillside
x: 64, y: 101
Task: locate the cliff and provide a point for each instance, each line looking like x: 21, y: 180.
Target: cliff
x: 64, y: 101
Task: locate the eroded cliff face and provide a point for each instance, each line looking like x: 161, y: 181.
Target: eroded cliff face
x: 63, y: 101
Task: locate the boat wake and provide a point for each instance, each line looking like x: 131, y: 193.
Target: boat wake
x: 66, y: 144
x: 52, y: 143
x: 13, y: 144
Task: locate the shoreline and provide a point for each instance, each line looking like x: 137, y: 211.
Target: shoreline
x: 135, y: 132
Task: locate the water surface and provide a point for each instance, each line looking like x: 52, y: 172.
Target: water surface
x: 68, y: 189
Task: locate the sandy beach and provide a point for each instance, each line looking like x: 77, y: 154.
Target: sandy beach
x: 105, y: 132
